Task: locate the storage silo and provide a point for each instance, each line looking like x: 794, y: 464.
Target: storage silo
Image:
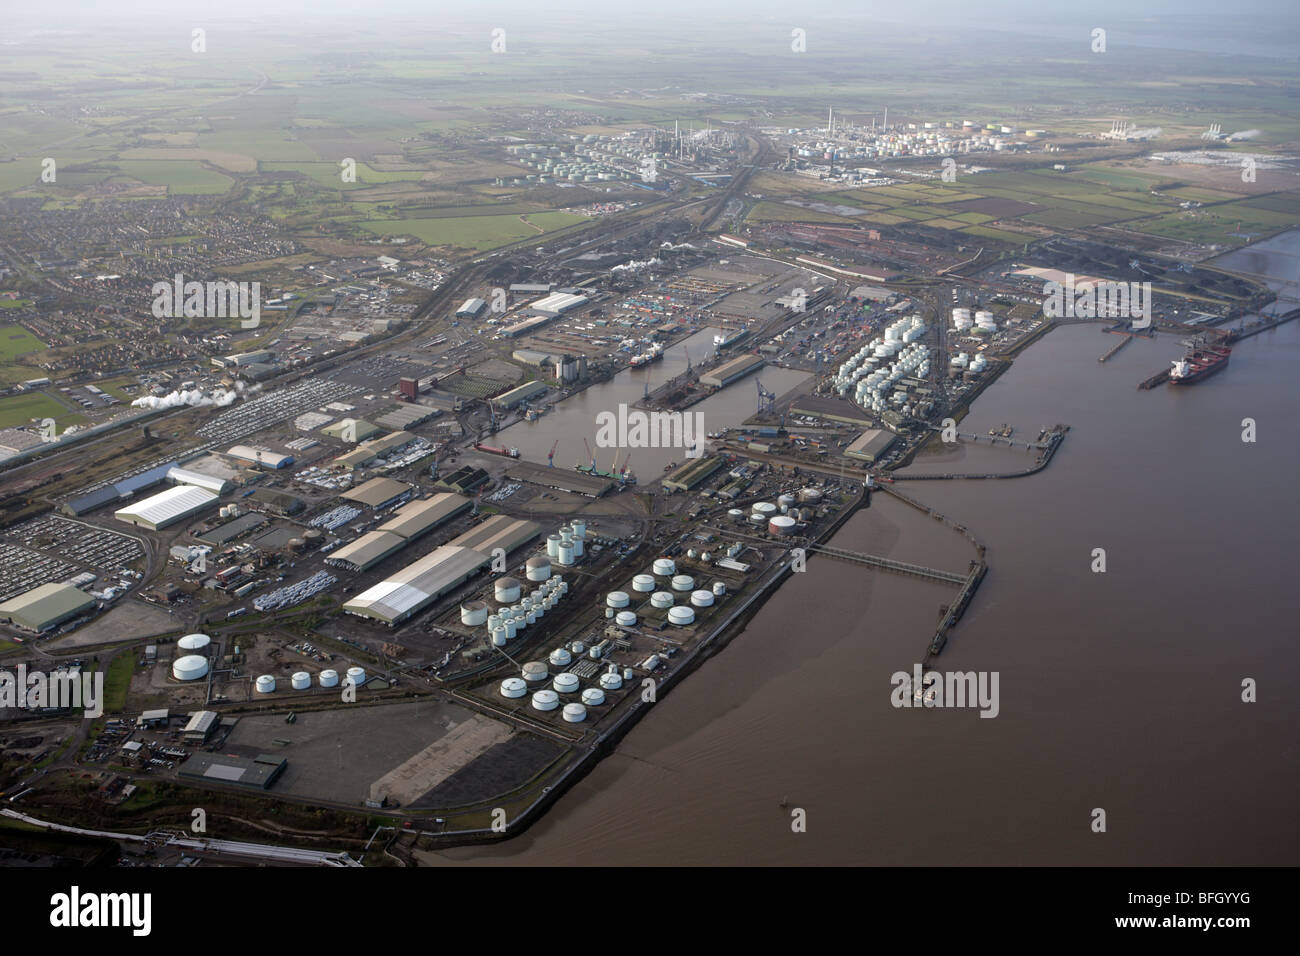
x: 617, y: 599
x: 356, y: 676
x: 265, y: 684
x: 190, y: 667
x: 545, y: 700
x: 328, y: 678
x: 665, y: 567
x: 579, y: 526
x: 565, y: 555
x: 765, y: 508
x: 537, y: 568
x: 735, y: 514
x: 301, y: 680
x: 574, y: 713
x: 560, y: 657
x: 565, y: 683
x: 625, y: 619
x: 473, y: 613
x: 506, y: 590
x: 681, y: 615
x: 553, y: 546
x: 193, y: 643
x: 514, y: 687
x: 719, y: 589
x: 662, y: 599
x: 643, y: 583
x: 534, y: 672
x: 593, y: 696
x: 611, y: 680
x: 781, y: 525
x: 683, y: 582
x: 702, y: 598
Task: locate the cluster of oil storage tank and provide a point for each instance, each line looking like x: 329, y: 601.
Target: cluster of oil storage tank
x: 874, y: 370
x: 521, y: 612
x: 963, y: 360
x: 564, y: 683
x: 301, y: 680
x: 567, y: 546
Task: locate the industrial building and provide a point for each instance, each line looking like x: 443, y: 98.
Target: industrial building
x: 45, y: 607
x: 472, y: 309
x: 244, y: 358
x: 260, y: 456
x: 183, y: 476
x: 201, y: 725
x: 405, y: 416
x: 557, y: 303
x: 167, y: 507
x: 521, y: 393
x: 351, y: 430
x: 418, y: 585
x: 367, y: 551
x: 257, y: 773
x: 463, y: 480
x: 728, y: 372
x: 417, y: 517
x: 871, y: 444
x: 378, y: 492
x: 410, y: 590
x: 375, y: 449
x: 692, y: 473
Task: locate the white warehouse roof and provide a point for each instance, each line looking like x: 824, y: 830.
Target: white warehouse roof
x: 167, y: 507
x: 398, y: 597
x: 261, y: 456
x: 183, y: 476
x: 558, y: 302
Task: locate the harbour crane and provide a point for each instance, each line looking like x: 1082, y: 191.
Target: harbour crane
x: 550, y: 455
x: 766, y: 400
x: 590, y: 456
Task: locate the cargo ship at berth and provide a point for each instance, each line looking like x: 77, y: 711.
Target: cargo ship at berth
x: 1198, y: 364
x: 654, y: 355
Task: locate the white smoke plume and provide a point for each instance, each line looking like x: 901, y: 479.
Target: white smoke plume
x: 194, y: 398
x: 671, y: 248
x: 1244, y: 134
x: 635, y: 266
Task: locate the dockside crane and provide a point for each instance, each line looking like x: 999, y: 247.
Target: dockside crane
x: 766, y: 400
x: 550, y: 456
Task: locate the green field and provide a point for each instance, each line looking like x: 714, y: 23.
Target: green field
x: 189, y: 178
x: 22, y: 409
x: 16, y: 340
x: 473, y: 232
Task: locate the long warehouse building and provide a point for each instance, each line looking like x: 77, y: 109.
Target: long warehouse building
x: 418, y: 585
x: 45, y: 607
x: 167, y: 507
x: 728, y: 372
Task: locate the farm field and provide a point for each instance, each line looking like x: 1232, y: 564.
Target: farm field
x: 22, y: 409
x: 479, y: 233
x: 16, y: 340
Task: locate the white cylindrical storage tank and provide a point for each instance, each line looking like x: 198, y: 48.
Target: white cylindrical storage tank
x: 356, y: 676
x: 617, y: 599
x: 534, y: 672
x: 473, y: 613
x: 691, y: 553
x: 810, y: 494
x: 757, y: 519
x: 579, y: 527
x: 514, y: 687
x: 785, y: 501
x: 643, y: 583
x: 577, y: 647
x: 512, y: 629
x: 628, y: 673
x: 546, y: 700
x: 537, y: 569
x: 265, y: 684
x: 565, y: 557
x: 190, y: 667
x: 735, y: 514
x: 593, y: 696
x: 193, y: 643
x: 681, y: 615
x: 531, y: 617
x: 301, y: 680
x: 764, y: 508
x: 625, y: 619
x: 702, y: 598
x: 553, y: 546
x: 594, y: 652
x: 719, y: 589
x: 611, y: 681
x: 664, y: 567
x: 577, y: 547
x: 506, y: 590
x: 560, y: 657
x: 328, y: 678
x: 683, y: 582
x: 565, y: 683
x: 781, y: 525
x: 574, y: 713
x: 662, y: 599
